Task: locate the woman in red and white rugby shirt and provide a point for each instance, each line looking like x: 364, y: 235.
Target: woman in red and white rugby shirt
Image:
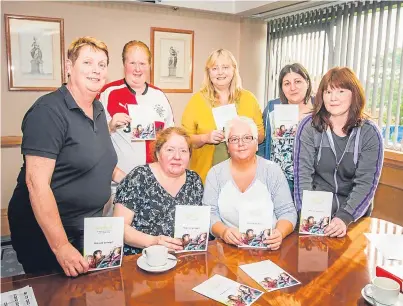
x: 134, y: 90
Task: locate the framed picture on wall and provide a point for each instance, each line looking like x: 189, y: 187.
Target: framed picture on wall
x: 35, y: 52
x: 172, y: 52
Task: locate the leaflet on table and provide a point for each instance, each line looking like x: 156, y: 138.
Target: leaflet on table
x: 20, y: 297
x: 390, y: 245
x: 285, y: 120
x: 103, y: 242
x: 223, y: 114
x: 270, y: 276
x: 143, y: 122
x: 316, y: 212
x: 227, y: 291
x: 192, y: 225
x: 255, y: 226
x: 313, y: 254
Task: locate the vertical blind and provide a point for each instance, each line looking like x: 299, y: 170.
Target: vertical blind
x: 365, y: 36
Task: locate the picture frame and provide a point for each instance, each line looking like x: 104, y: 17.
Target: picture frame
x: 173, y: 56
x: 35, y: 52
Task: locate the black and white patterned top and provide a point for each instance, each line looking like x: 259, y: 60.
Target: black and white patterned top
x: 153, y: 206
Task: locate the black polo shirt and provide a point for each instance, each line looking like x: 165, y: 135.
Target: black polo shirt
x: 56, y: 127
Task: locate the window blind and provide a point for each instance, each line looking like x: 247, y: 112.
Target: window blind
x: 365, y: 36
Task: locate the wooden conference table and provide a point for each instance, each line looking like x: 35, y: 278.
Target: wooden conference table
x: 331, y: 272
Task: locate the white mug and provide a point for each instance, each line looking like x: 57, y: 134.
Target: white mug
x: 156, y: 255
x: 383, y: 290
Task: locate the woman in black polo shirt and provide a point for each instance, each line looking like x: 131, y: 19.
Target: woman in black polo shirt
x: 69, y: 161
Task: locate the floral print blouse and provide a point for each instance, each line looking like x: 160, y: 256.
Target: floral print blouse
x: 282, y: 154
x: 153, y: 206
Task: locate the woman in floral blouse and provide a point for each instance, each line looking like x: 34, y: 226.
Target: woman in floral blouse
x: 148, y: 195
x: 295, y: 88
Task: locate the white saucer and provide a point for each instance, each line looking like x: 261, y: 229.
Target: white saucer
x: 371, y: 302
x: 142, y: 263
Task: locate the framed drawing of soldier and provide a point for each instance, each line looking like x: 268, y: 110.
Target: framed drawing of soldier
x: 35, y: 52
x: 172, y: 53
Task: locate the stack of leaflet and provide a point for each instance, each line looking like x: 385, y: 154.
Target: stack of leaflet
x: 20, y: 297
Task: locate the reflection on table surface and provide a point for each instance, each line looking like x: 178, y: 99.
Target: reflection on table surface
x: 332, y: 272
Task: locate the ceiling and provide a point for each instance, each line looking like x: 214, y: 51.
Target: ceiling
x: 255, y: 9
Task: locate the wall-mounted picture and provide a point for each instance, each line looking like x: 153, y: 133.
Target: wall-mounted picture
x: 172, y: 53
x: 35, y: 52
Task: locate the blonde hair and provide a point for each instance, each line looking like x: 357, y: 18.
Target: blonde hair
x: 74, y: 49
x: 136, y: 44
x: 235, y: 88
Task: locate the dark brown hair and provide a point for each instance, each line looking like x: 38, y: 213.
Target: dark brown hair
x: 296, y: 68
x: 339, y: 77
x: 164, y: 135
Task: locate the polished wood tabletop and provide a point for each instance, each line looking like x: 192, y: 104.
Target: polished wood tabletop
x: 332, y: 271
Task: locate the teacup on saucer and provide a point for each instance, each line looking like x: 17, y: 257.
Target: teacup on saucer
x: 371, y: 301
x: 170, y: 263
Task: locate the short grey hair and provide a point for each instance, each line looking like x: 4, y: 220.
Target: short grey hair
x: 241, y: 119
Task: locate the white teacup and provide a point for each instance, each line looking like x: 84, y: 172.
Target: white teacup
x: 156, y: 255
x: 383, y: 290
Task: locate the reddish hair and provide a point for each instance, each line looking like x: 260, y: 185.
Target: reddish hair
x: 339, y: 77
x: 136, y: 44
x: 164, y: 135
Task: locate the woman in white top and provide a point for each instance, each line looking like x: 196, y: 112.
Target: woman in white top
x: 247, y: 181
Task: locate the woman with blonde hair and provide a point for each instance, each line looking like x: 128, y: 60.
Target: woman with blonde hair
x: 222, y: 86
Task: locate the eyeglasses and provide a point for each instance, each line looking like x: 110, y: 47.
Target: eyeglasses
x: 236, y: 139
